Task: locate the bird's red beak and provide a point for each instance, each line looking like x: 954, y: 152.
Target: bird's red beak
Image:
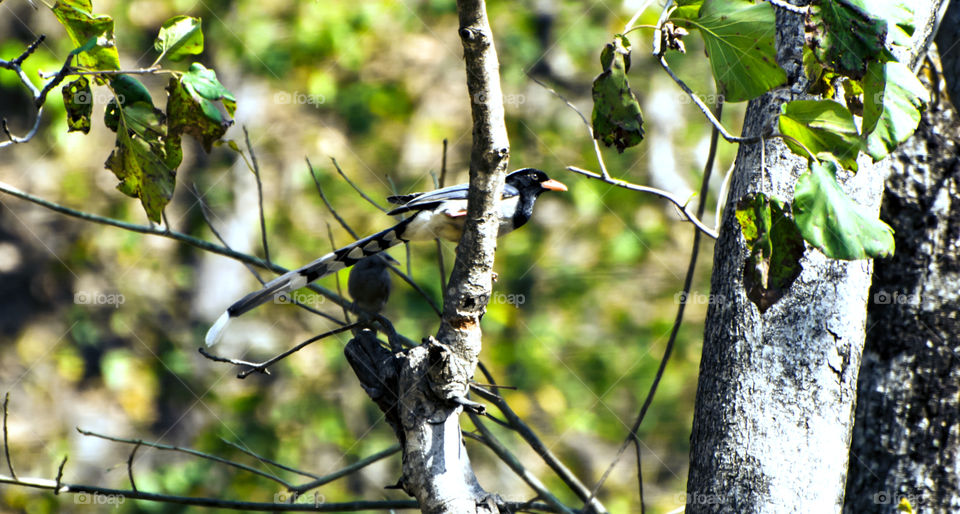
x: 553, y: 185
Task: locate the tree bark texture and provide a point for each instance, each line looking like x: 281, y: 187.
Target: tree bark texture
x: 775, y: 399
x: 421, y: 390
x: 906, y: 438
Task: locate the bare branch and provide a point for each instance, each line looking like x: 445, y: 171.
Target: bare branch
x: 63, y: 463
x: 57, y: 487
x: 266, y: 460
x: 687, y: 283
x: 355, y: 187
x: 133, y: 452
x: 256, y: 174
x: 360, y: 464
x: 682, y: 206
x: 440, y: 184
x: 491, y: 441
x: 261, y: 367
x: 6, y: 442
x: 336, y: 215
x: 188, y: 451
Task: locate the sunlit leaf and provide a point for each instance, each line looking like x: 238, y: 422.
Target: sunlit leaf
x: 202, y: 84
x: 179, y: 37
x: 187, y: 114
x: 81, y: 25
x: 775, y: 247
x: 739, y: 39
x: 823, y: 127
x: 892, y: 100
x: 831, y: 221
x: 617, y: 120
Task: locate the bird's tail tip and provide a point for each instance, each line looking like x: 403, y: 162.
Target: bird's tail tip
x: 216, y: 331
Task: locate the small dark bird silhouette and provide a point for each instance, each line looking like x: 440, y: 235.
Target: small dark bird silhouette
x: 370, y: 284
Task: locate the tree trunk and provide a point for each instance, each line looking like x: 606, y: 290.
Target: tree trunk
x: 906, y: 438
x: 775, y: 399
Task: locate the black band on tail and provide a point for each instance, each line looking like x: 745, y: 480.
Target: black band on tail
x: 330, y: 263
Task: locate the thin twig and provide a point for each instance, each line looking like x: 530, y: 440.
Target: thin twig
x: 133, y: 484
x: 397, y: 271
x: 596, y: 146
x: 633, y: 437
x: 268, y: 461
x: 188, y: 451
x: 6, y: 444
x: 681, y: 205
x: 127, y: 494
x: 336, y: 277
x: 440, y: 184
x: 490, y: 441
x: 256, y: 174
x: 362, y: 463
x: 354, y: 186
x: 336, y: 215
x: 80, y: 72
x: 63, y: 463
x: 524, y: 430
x: 205, y: 212
x: 703, y: 107
x: 261, y: 367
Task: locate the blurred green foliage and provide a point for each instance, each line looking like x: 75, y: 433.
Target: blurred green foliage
x: 582, y: 309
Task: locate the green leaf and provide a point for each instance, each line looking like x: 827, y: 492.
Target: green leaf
x: 186, y: 114
x: 892, y: 100
x: 739, y: 39
x: 143, y: 173
x: 617, y: 120
x: 78, y: 101
x: 844, y: 36
x: 824, y: 127
x: 143, y: 159
x: 775, y: 247
x: 831, y: 221
x: 202, y: 84
x: 179, y: 37
x: 81, y: 25
x: 127, y: 90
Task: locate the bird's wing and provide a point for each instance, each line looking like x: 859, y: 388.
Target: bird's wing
x: 432, y: 199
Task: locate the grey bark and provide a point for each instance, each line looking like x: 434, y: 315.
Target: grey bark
x: 775, y: 399
x: 906, y: 438
x: 422, y: 389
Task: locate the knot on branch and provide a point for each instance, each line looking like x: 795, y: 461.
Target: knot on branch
x: 449, y: 374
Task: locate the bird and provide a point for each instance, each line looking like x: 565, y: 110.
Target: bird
x: 369, y: 284
x: 438, y: 214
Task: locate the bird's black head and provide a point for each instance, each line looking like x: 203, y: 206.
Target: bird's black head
x: 534, y: 181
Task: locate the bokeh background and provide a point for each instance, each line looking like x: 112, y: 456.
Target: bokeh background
x: 99, y: 327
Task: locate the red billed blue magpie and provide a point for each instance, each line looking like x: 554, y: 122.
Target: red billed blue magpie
x: 437, y: 214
